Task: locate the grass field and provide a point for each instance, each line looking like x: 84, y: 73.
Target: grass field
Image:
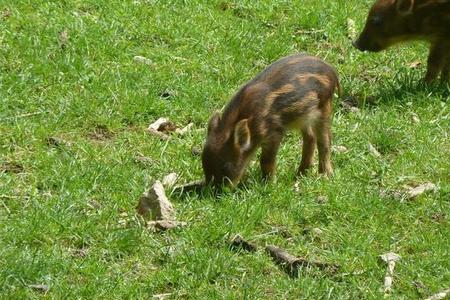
x: 74, y: 110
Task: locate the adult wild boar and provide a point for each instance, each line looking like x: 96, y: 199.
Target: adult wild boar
x: 392, y: 21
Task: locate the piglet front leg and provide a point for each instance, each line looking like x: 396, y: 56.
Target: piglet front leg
x: 268, y: 156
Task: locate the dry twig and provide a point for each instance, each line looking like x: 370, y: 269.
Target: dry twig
x: 390, y: 259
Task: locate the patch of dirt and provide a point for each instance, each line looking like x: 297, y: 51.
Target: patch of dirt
x: 168, y: 94
x: 237, y: 10
x: 144, y: 160
x: 439, y: 217
x: 100, y: 133
x: 225, y: 6
x: 79, y: 252
x: 350, y: 103
x: 196, y: 151
x: 11, y: 167
x: 63, y: 39
x: 6, y: 13
x: 57, y: 142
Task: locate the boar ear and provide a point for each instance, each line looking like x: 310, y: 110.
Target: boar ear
x: 404, y: 7
x: 214, y: 122
x: 242, y: 135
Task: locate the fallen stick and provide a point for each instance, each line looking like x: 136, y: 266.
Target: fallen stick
x: 419, y: 190
x: 196, y: 186
x: 43, y: 288
x: 159, y: 134
x: 351, y: 29
x: 163, y: 225
x: 162, y: 296
x: 161, y: 128
x: 439, y: 296
x: 238, y: 242
x: 25, y: 115
x: 390, y: 259
x: 312, y: 31
x: 292, y: 263
x: 170, y: 179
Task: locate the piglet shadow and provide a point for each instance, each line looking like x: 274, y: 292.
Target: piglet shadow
x: 203, y: 190
x: 198, y: 189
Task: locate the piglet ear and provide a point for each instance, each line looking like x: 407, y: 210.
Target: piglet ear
x: 404, y: 7
x: 214, y: 122
x: 242, y: 135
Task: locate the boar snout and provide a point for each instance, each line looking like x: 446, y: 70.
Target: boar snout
x: 357, y: 45
x: 365, y: 44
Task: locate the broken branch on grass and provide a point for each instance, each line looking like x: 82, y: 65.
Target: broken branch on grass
x: 238, y: 242
x: 170, y: 179
x: 310, y: 31
x: 25, y: 115
x: 165, y: 224
x: 292, y: 263
x: 390, y: 259
x: 351, y: 29
x: 196, y: 186
x: 374, y: 151
x: 143, y: 60
x: 419, y: 190
x: 144, y: 160
x: 440, y: 295
x: 43, y: 288
x: 163, y: 127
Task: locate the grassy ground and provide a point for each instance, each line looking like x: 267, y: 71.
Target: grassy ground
x: 74, y: 109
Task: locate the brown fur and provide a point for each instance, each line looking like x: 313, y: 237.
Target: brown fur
x: 294, y: 92
x: 393, y: 21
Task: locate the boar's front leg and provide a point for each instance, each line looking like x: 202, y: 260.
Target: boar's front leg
x: 268, y: 156
x: 436, y: 60
x: 308, y: 148
x: 445, y: 73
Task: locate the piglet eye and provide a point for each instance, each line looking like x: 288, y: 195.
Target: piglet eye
x: 377, y: 20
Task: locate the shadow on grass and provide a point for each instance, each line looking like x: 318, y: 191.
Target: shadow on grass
x: 200, y: 190
x: 403, y: 88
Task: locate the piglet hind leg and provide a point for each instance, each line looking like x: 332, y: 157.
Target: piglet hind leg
x: 268, y: 157
x: 323, y: 133
x: 308, y: 148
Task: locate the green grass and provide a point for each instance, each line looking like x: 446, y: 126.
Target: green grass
x: 61, y: 206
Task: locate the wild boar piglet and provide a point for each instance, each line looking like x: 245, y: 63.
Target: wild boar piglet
x: 294, y: 92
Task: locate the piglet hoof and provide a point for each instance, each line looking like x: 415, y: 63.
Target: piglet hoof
x: 445, y: 79
x: 429, y: 79
x: 326, y: 174
x: 302, y: 172
x: 268, y: 178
